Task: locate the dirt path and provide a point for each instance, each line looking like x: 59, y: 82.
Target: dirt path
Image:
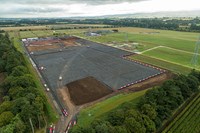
x: 155, y: 81
x: 71, y: 108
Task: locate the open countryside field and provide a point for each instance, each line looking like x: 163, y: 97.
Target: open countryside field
x: 49, y: 27
x: 171, y: 55
x: 44, y: 33
x: 147, y: 38
x: 188, y: 120
x: 172, y: 47
x: 151, y: 40
x: 86, y: 116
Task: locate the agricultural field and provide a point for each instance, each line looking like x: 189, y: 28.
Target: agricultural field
x: 188, y: 120
x: 49, y: 27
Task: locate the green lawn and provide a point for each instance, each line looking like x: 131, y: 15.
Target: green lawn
x: 161, y: 63
x: 87, y: 115
x: 174, y: 56
x: 149, y: 41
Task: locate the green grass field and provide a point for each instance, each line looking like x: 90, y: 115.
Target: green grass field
x: 188, y: 121
x: 49, y: 27
x: 173, y: 56
x: 87, y: 115
x: 176, y: 68
x: 183, y: 41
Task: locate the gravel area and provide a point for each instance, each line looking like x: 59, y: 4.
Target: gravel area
x: 90, y: 59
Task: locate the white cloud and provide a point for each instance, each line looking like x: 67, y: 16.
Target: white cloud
x: 64, y: 8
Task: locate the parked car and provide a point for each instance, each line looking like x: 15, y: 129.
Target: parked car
x: 51, y: 129
x: 65, y: 113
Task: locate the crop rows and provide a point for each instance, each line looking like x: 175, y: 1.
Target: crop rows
x: 188, y: 120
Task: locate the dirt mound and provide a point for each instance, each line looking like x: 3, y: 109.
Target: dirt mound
x: 87, y: 90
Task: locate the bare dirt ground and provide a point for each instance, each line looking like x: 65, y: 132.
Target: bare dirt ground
x: 87, y: 90
x: 41, y: 48
x: 71, y: 108
x: 44, y: 42
x: 71, y: 41
x: 51, y: 44
x: 155, y: 81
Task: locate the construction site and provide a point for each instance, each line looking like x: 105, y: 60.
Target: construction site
x: 87, y: 71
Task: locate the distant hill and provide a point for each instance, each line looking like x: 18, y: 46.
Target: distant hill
x: 195, y: 13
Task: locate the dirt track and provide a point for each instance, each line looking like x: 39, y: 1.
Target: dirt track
x: 158, y: 80
x: 71, y: 108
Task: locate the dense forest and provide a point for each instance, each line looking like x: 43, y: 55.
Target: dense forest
x: 189, y: 25
x: 156, y: 106
x: 22, y: 108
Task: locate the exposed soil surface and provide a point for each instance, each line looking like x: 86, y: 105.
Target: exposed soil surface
x: 51, y: 44
x: 87, y: 90
x: 43, y: 47
x: 155, y: 81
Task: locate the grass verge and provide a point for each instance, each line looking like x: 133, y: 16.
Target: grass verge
x: 174, y: 56
x: 87, y: 115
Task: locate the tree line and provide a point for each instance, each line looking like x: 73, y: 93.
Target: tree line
x: 189, y: 25
x: 23, y: 107
x: 156, y: 106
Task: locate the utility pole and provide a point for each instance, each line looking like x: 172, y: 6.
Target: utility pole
x: 126, y: 37
x: 196, y: 53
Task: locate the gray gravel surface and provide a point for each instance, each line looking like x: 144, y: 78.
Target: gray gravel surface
x: 91, y: 59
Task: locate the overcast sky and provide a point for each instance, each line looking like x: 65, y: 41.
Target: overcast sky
x: 69, y: 8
